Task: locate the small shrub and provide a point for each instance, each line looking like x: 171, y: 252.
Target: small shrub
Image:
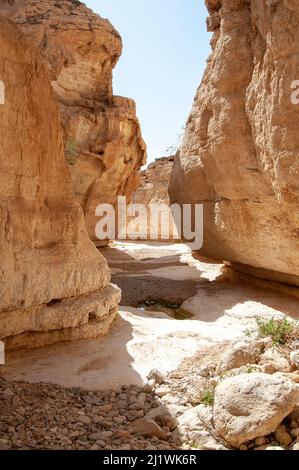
x: 71, y: 153
x: 251, y: 369
x: 195, y: 446
x: 208, y: 397
x: 279, y: 330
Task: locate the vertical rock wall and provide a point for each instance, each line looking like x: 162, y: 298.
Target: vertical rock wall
x: 240, y: 154
x: 102, y: 136
x: 54, y: 284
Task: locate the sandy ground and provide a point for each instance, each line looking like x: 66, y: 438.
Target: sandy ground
x: 140, y: 341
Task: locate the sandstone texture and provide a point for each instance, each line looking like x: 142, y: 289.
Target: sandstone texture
x: 239, y: 156
x: 102, y: 137
x: 275, y: 360
x: 54, y: 283
x: 252, y: 405
x: 153, y: 190
x: 154, y: 182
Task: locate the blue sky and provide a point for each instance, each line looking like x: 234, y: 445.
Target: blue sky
x: 165, y: 49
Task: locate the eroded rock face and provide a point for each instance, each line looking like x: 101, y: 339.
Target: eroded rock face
x: 54, y: 284
x: 102, y: 137
x: 154, y: 182
x: 153, y: 189
x: 239, y: 156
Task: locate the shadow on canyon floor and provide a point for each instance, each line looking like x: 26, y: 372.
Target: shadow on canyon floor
x: 154, y: 275
x: 111, y: 361
x: 82, y: 363
x: 141, y: 341
x: 155, y: 279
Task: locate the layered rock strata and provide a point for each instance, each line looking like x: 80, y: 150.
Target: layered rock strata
x: 55, y: 286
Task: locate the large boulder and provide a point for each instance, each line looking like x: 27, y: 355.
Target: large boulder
x: 248, y: 406
x: 54, y: 283
x: 102, y: 136
x: 239, y: 156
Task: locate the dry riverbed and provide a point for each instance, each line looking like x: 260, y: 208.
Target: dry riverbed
x: 113, y: 398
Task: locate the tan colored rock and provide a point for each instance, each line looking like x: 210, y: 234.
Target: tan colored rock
x: 194, y: 427
x: 148, y: 427
x: 260, y: 441
x: 196, y: 417
x: 4, y: 444
x: 239, y: 156
x: 275, y: 361
x: 294, y: 416
x: 294, y: 376
x: 243, y: 447
x: 102, y: 137
x: 241, y: 353
x: 248, y: 406
x: 294, y: 358
x: 153, y: 189
x: 282, y: 436
x: 166, y: 416
x: 54, y: 283
x: 220, y: 357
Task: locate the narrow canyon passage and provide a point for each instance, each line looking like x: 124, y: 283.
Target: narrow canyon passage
x: 111, y: 344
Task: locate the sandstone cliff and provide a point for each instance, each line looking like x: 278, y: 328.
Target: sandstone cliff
x: 103, y: 142
x: 54, y: 284
x: 240, y: 154
x: 154, y: 182
x: 153, y: 189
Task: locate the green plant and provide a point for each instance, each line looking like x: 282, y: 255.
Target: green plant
x: 71, y: 153
x: 249, y: 332
x: 279, y: 330
x: 196, y: 446
x: 251, y: 369
x: 208, y: 397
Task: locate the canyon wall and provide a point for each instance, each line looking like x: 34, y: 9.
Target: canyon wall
x: 55, y: 286
x: 153, y: 190
x: 240, y: 154
x: 102, y: 137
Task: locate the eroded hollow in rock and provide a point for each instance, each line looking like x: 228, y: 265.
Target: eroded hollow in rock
x: 172, y: 310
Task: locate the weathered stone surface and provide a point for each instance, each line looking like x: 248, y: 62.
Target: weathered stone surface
x: 193, y: 427
x: 239, y: 156
x: 166, y: 416
x: 53, y: 280
x: 148, y: 427
x: 248, y: 406
x: 294, y: 358
x: 275, y: 360
x: 154, y: 190
x: 102, y: 137
x: 282, y: 436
